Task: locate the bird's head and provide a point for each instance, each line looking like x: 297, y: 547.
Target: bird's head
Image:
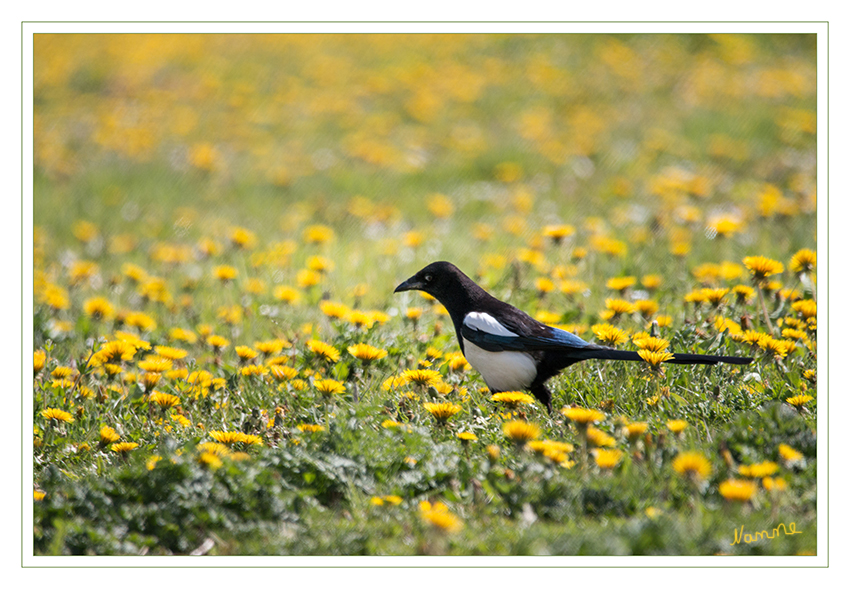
x: 439, y: 280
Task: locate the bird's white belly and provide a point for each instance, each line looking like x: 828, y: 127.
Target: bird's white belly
x: 502, y: 371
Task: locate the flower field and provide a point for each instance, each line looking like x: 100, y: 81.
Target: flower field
x: 221, y: 366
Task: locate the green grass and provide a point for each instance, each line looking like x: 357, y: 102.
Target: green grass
x: 659, y: 134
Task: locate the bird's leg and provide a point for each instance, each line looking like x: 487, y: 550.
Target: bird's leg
x: 542, y: 393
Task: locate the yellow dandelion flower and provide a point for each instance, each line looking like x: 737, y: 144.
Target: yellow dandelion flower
x: 799, y: 400
x: 57, y: 415
x: 599, y: 438
x: 164, y: 400
x: 310, y: 428
x: 389, y: 423
x: 807, y: 308
x: 609, y: 335
x: 334, y: 310
x: 789, y: 454
x: 804, y: 261
x: 619, y: 307
x: 182, y: 335
x: 467, y: 436
x: 520, y: 431
x: 254, y: 370
x: 184, y: 422
x: 646, y: 308
x: 761, y: 267
x: 320, y: 264
x: 439, y: 516
x: 693, y: 465
x: 150, y: 463
x: 246, y: 353
x: 743, y: 293
x: 677, y: 426
x: 636, y: 429
x: 422, y: 377
x: 108, y: 435
x: 113, y: 352
x: 512, y: 398
x: 607, y: 458
x: 457, y: 362
x: 217, y: 342
x: 39, y: 495
x: 123, y: 447
x: 98, y: 308
x: 651, y: 281
x: 737, y: 490
x: 366, y: 352
x: 361, y: 319
x: 442, y: 411
x: 242, y: 238
x: 714, y: 295
x: 652, y: 344
x: 39, y: 357
x: 170, y: 353
x: 440, y: 205
x: 546, y: 446
x: 621, y: 283
x: 307, y: 278
x: 558, y: 233
x: 217, y: 448
x: 283, y: 372
x: 287, y: 294
x: 655, y: 358
x: 323, y: 350
x: 394, y: 382
x: 318, y: 234
x: 329, y: 387
x: 155, y: 364
x: 227, y: 438
x: 758, y: 470
x: 581, y: 416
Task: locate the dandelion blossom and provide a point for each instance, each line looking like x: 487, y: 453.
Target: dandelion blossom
x: 761, y: 267
x: 164, y: 400
x: 442, y: 411
x: 439, y: 516
x: 799, y: 400
x: 323, y: 350
x: 582, y: 417
x: 804, y: 261
x: 677, y: 426
x: 512, y: 398
x: 423, y: 377
x: 789, y: 454
x: 329, y: 387
x: 123, y: 447
x: 57, y: 415
x: 609, y: 335
x: 108, y: 435
x: 366, y: 353
x: 520, y: 431
x: 692, y: 465
x: 737, y: 490
x: 607, y: 458
x: 758, y: 470
x: 654, y: 359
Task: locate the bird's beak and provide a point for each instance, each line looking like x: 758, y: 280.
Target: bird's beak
x: 409, y: 284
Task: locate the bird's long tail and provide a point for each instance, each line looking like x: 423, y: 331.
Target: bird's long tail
x: 602, y: 353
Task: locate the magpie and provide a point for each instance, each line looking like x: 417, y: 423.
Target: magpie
x: 510, y: 349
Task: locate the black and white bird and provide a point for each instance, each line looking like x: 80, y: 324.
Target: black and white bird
x: 512, y: 350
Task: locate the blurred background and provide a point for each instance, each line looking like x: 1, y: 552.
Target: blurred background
x: 645, y: 146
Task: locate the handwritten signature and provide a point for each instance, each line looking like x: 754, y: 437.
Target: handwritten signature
x: 740, y: 536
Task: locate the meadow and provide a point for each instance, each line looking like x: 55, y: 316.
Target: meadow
x: 221, y: 366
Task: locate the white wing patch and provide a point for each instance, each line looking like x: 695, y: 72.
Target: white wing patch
x: 487, y: 324
x: 502, y: 371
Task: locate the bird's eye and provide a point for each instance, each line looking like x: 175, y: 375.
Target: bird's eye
x: 429, y: 277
